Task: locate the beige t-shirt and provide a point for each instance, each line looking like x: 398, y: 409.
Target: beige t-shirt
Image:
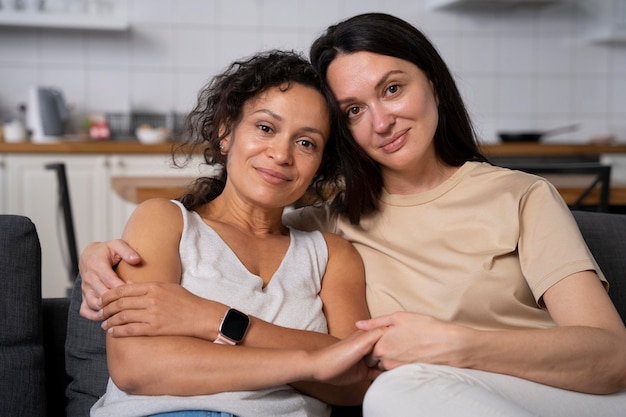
x: 481, y: 249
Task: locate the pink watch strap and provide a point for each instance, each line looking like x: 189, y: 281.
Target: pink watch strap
x: 222, y: 340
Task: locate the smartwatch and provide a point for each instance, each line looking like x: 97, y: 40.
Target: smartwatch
x: 232, y: 328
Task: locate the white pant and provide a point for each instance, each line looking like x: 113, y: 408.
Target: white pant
x: 436, y: 390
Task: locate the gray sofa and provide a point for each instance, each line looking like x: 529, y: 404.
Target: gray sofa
x: 52, y: 361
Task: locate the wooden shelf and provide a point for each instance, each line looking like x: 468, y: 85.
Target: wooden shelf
x: 63, y: 21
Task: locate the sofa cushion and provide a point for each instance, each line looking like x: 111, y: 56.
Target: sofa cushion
x: 54, y: 328
x: 605, y: 235
x: 21, y: 344
x: 85, y: 359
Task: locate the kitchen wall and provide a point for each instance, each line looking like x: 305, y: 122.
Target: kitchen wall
x: 521, y: 67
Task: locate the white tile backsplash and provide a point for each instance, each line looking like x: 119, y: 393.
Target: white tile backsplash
x: 152, y: 91
x: 590, y: 96
x: 152, y: 46
x: 18, y: 47
x: 617, y: 98
x: 528, y: 67
x: 240, y: 13
x: 108, y: 90
x: 194, y: 12
x: 552, y: 54
x: 591, y: 59
x: 285, y: 39
x: 151, y: 11
x: 195, y: 47
x: 553, y: 96
x: 514, y: 96
x: 515, y: 54
x: 63, y: 47
x: 478, y: 54
x: 234, y: 44
x: 279, y: 14
x: 320, y: 13
x: 108, y: 50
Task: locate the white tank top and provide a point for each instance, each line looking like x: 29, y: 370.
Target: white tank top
x: 210, y: 269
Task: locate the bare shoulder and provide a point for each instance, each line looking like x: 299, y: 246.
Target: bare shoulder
x: 339, y: 245
x: 154, y: 231
x: 342, y: 254
x: 343, y: 286
x: 154, y: 215
x: 157, y: 206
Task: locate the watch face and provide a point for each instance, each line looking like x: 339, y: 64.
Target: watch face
x: 234, y: 325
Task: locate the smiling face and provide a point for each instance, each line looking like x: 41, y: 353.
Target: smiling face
x: 276, y: 148
x: 391, y: 108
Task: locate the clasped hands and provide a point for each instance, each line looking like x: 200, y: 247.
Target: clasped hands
x: 167, y: 309
x: 152, y: 309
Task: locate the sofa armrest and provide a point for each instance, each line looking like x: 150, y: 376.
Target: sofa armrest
x: 22, y: 391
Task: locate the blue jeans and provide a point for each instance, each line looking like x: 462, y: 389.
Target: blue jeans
x: 193, y: 413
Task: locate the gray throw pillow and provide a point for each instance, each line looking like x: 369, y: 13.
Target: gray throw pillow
x: 85, y: 358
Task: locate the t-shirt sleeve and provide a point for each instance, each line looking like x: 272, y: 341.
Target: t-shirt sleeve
x: 551, y: 246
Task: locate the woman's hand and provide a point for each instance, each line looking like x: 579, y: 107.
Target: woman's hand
x: 158, y: 309
x: 96, y: 269
x: 412, y: 337
x: 343, y: 363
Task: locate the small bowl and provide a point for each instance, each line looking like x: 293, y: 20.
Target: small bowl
x: 152, y: 136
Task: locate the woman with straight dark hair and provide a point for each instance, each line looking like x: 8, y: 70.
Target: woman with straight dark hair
x: 491, y: 302
x: 454, y: 140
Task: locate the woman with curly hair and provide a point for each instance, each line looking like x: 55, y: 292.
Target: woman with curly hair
x: 285, y: 297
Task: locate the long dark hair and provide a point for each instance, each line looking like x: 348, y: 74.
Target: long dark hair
x: 219, y: 109
x: 454, y: 140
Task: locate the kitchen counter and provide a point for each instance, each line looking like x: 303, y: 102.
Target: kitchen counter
x: 133, y: 146
x: 540, y: 149
x: 87, y: 147
x: 136, y: 189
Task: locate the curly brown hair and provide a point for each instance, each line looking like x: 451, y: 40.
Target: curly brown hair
x: 219, y: 109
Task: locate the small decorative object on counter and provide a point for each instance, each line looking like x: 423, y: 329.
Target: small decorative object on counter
x: 14, y: 131
x: 149, y: 135
x: 98, y: 127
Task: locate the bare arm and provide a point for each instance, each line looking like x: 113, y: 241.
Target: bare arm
x: 343, y: 294
x: 145, y: 364
x: 585, y: 352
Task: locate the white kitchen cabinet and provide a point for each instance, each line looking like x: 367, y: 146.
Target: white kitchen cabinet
x: 31, y: 190
x: 99, y: 214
